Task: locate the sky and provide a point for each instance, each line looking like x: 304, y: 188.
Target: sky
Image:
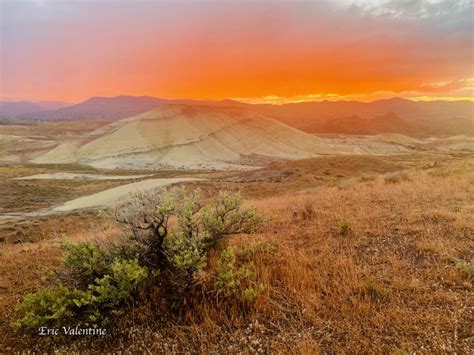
x: 253, y: 51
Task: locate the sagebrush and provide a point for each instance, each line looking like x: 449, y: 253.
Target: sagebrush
x: 169, y: 233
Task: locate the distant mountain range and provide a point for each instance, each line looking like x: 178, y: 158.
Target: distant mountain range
x: 22, y: 112
x: 102, y: 108
x: 19, y: 108
x: 395, y: 115
x: 389, y: 123
x: 307, y: 112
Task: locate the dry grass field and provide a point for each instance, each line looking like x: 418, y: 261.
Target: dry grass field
x: 372, y: 256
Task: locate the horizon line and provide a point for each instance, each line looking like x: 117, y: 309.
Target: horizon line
x: 251, y: 101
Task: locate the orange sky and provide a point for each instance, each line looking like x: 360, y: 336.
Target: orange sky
x: 257, y: 51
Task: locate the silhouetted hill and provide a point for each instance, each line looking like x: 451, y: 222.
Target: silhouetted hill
x: 17, y: 108
x: 389, y: 123
x: 17, y: 112
x: 394, y: 115
x: 102, y: 108
x: 306, y: 112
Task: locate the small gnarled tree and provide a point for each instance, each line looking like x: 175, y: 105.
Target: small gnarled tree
x: 177, y: 229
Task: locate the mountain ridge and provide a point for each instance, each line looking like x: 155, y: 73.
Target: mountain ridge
x: 22, y: 107
x: 440, y: 118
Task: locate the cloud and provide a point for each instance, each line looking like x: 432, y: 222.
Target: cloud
x: 247, y: 49
x: 411, y: 9
x: 444, y: 86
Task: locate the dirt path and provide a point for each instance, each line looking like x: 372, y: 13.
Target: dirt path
x: 79, y: 176
x: 116, y: 194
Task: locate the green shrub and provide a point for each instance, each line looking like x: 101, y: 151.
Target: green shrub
x: 236, y: 275
x: 185, y: 246
x: 84, y: 262
x: 198, y: 228
x: 226, y: 217
x: 266, y: 250
x: 466, y: 267
x: 51, y: 307
x: 120, y: 284
x: 99, y: 280
x: 89, y: 306
x: 344, y: 227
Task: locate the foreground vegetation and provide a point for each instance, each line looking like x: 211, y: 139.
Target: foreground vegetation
x: 171, y: 234
x: 378, y: 264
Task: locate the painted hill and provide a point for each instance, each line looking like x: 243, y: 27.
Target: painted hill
x: 187, y: 137
x: 201, y: 137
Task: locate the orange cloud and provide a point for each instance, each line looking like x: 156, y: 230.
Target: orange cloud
x: 255, y: 51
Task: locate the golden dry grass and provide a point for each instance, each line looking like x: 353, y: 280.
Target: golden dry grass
x: 385, y: 283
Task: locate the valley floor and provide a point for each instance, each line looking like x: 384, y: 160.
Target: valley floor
x: 374, y: 255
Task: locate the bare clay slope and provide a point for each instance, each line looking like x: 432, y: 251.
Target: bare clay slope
x: 212, y: 137
x: 188, y: 136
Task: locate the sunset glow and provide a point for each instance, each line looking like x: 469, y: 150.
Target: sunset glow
x: 258, y: 51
